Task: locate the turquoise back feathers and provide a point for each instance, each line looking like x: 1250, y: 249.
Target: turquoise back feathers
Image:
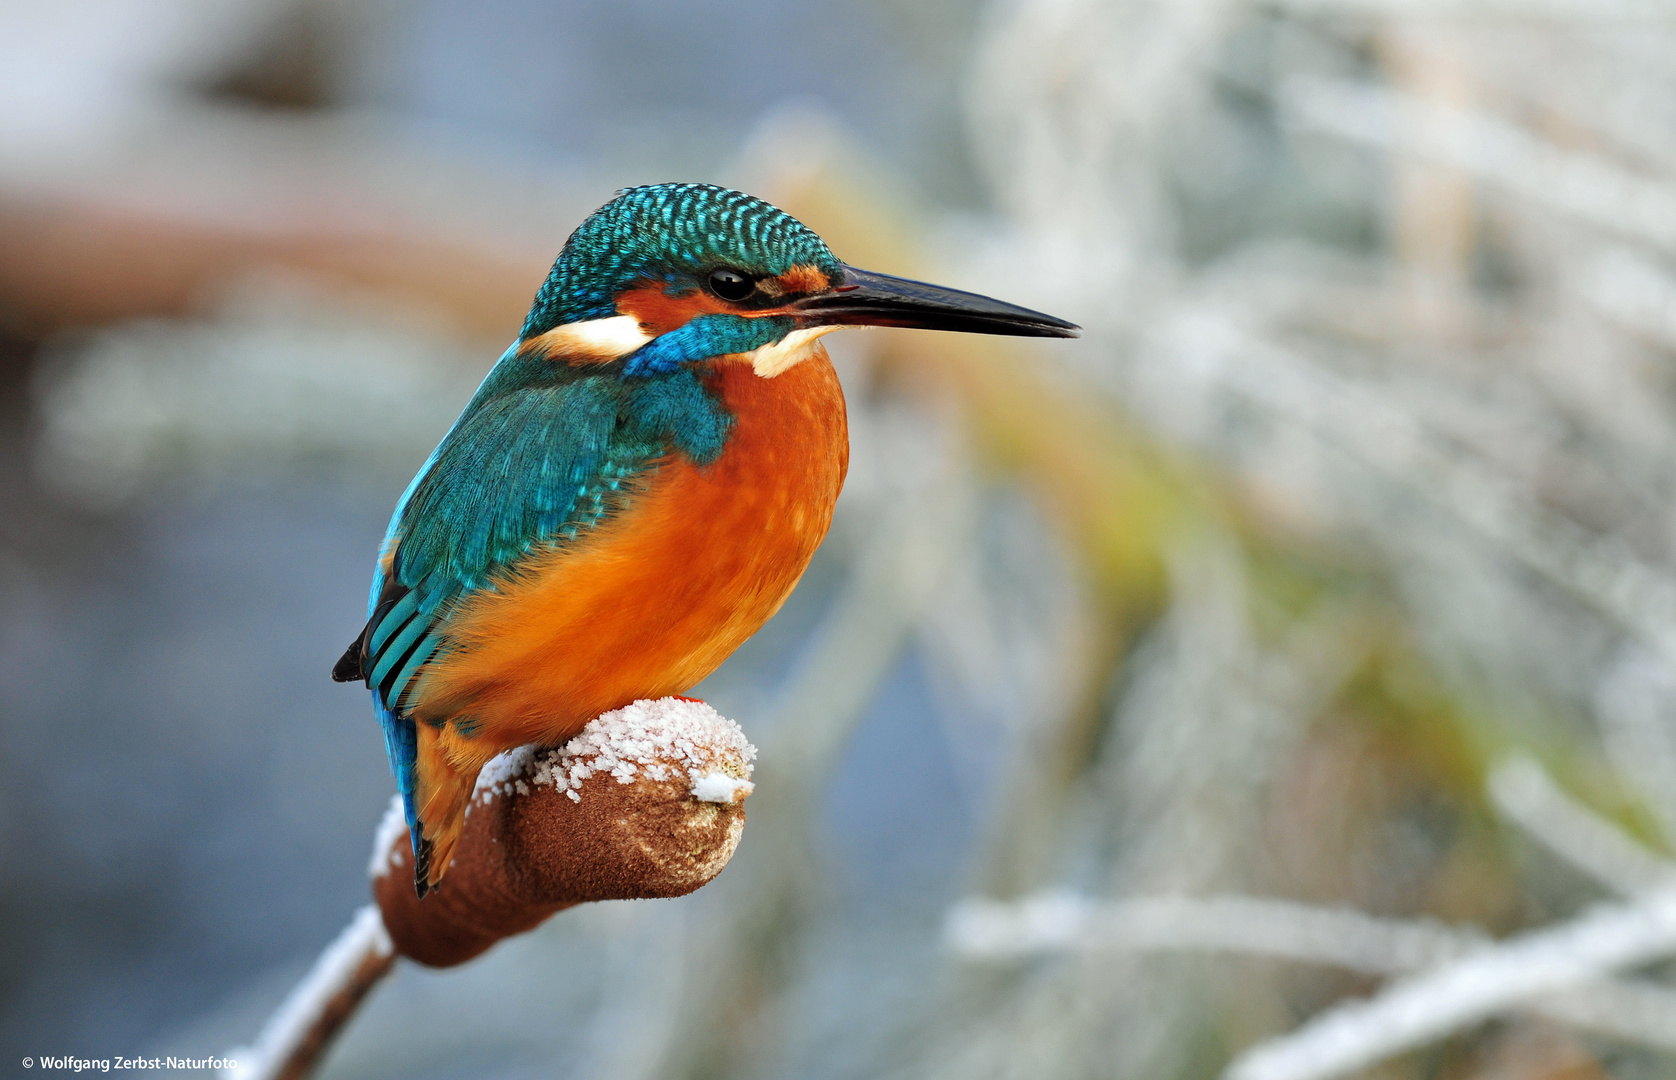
x: 542, y: 454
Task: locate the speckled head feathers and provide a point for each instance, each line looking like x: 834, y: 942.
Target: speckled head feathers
x: 668, y: 232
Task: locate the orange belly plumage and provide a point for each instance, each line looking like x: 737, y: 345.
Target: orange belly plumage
x: 653, y: 600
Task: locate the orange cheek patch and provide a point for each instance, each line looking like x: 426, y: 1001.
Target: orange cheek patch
x: 659, y: 313
x: 805, y: 279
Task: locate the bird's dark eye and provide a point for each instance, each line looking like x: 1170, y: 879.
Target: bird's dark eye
x: 731, y: 284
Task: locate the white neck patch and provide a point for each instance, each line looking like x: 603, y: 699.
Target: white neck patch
x: 596, y: 339
x: 785, y: 354
x: 613, y: 338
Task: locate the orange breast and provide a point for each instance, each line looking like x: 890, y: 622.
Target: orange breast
x: 655, y: 599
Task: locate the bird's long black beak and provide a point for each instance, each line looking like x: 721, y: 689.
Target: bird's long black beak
x: 864, y: 298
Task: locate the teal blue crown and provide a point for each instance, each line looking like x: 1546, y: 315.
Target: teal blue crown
x: 675, y: 233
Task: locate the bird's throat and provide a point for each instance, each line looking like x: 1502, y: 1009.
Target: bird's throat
x: 783, y: 355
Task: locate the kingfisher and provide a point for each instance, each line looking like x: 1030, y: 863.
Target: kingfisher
x: 635, y: 488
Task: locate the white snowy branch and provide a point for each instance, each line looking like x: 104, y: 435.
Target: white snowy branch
x: 361, y: 951
x: 1630, y: 290
x: 1585, y: 11
x: 1584, y: 186
x: 1529, y: 796
x: 1464, y: 976
x: 1451, y: 978
x: 1340, y: 937
x: 1414, y: 1011
x: 1635, y: 707
x: 1558, y: 970
x: 1215, y: 350
x: 1629, y: 1009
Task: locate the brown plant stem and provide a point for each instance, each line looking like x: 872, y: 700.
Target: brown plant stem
x: 523, y: 858
x: 531, y: 847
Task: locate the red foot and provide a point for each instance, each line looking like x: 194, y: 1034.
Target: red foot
x: 695, y: 701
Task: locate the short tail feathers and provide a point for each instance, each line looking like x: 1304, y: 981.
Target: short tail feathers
x: 435, y: 792
x: 437, y: 812
x: 422, y: 851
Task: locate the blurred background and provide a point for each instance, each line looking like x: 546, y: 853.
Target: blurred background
x: 1305, y: 634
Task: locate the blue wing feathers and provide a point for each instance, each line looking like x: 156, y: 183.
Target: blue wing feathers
x: 421, y: 653
x: 393, y: 620
x: 543, y: 453
x: 396, y: 649
x: 401, y: 743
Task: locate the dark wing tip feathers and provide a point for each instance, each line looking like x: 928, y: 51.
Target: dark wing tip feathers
x: 356, y: 663
x: 349, y: 667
